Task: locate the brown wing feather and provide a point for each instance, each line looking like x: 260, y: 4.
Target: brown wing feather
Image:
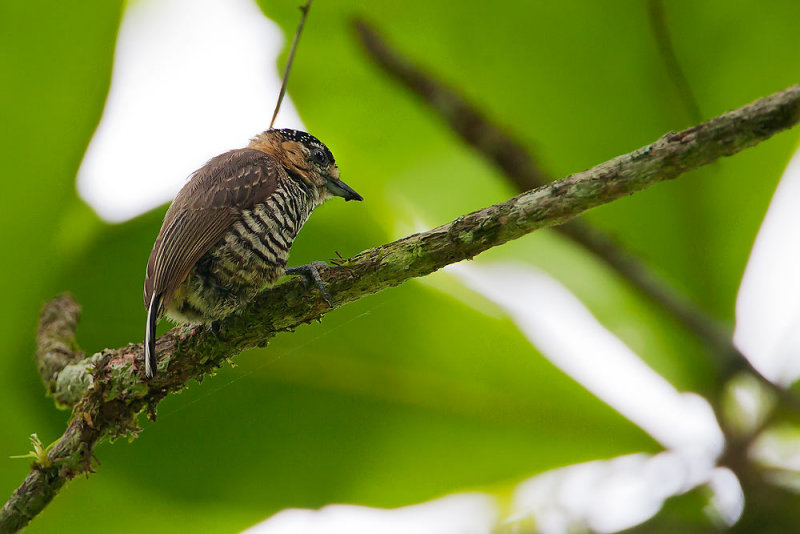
x: 203, y: 212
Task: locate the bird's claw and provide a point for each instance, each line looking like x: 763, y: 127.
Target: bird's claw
x: 311, y: 271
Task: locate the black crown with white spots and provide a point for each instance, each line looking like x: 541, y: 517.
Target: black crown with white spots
x: 306, y: 139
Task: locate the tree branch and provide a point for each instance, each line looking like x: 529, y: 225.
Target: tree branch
x: 56, y: 347
x: 518, y: 164
x: 114, y: 392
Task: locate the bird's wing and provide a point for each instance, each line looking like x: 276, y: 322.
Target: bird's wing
x: 204, y: 210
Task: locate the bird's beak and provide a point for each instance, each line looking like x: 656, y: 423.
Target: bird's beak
x: 341, y: 189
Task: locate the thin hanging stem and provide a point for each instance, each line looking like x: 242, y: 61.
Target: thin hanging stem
x: 304, y: 9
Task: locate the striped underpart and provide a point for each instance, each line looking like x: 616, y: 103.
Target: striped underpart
x: 251, y: 255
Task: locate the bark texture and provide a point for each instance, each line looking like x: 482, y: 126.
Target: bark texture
x: 107, y: 390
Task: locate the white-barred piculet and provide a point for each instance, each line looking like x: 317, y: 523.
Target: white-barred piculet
x: 228, y: 232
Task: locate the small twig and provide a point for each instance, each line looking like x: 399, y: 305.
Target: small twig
x: 661, y: 33
x: 289, y: 61
x: 116, y: 393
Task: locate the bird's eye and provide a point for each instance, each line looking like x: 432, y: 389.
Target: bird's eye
x: 319, y: 157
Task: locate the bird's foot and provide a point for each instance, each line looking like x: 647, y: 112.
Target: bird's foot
x: 311, y: 271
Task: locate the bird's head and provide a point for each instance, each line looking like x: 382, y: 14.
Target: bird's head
x: 306, y: 159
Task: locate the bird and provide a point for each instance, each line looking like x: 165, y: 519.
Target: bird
x: 227, y: 234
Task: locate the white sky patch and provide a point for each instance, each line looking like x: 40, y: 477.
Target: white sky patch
x: 727, y: 497
x: 468, y: 513
x: 560, y: 326
x: 747, y: 403
x: 616, y: 494
x: 191, y: 79
x: 768, y: 303
x: 779, y: 449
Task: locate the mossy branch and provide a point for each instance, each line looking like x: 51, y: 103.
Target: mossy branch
x: 520, y: 166
x: 108, y: 392
x: 56, y: 346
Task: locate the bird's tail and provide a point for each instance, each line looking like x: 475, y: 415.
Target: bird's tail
x: 150, y: 336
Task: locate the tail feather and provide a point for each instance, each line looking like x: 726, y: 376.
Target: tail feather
x: 150, y: 336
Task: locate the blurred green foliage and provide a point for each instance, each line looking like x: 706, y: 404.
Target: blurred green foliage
x: 412, y: 393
